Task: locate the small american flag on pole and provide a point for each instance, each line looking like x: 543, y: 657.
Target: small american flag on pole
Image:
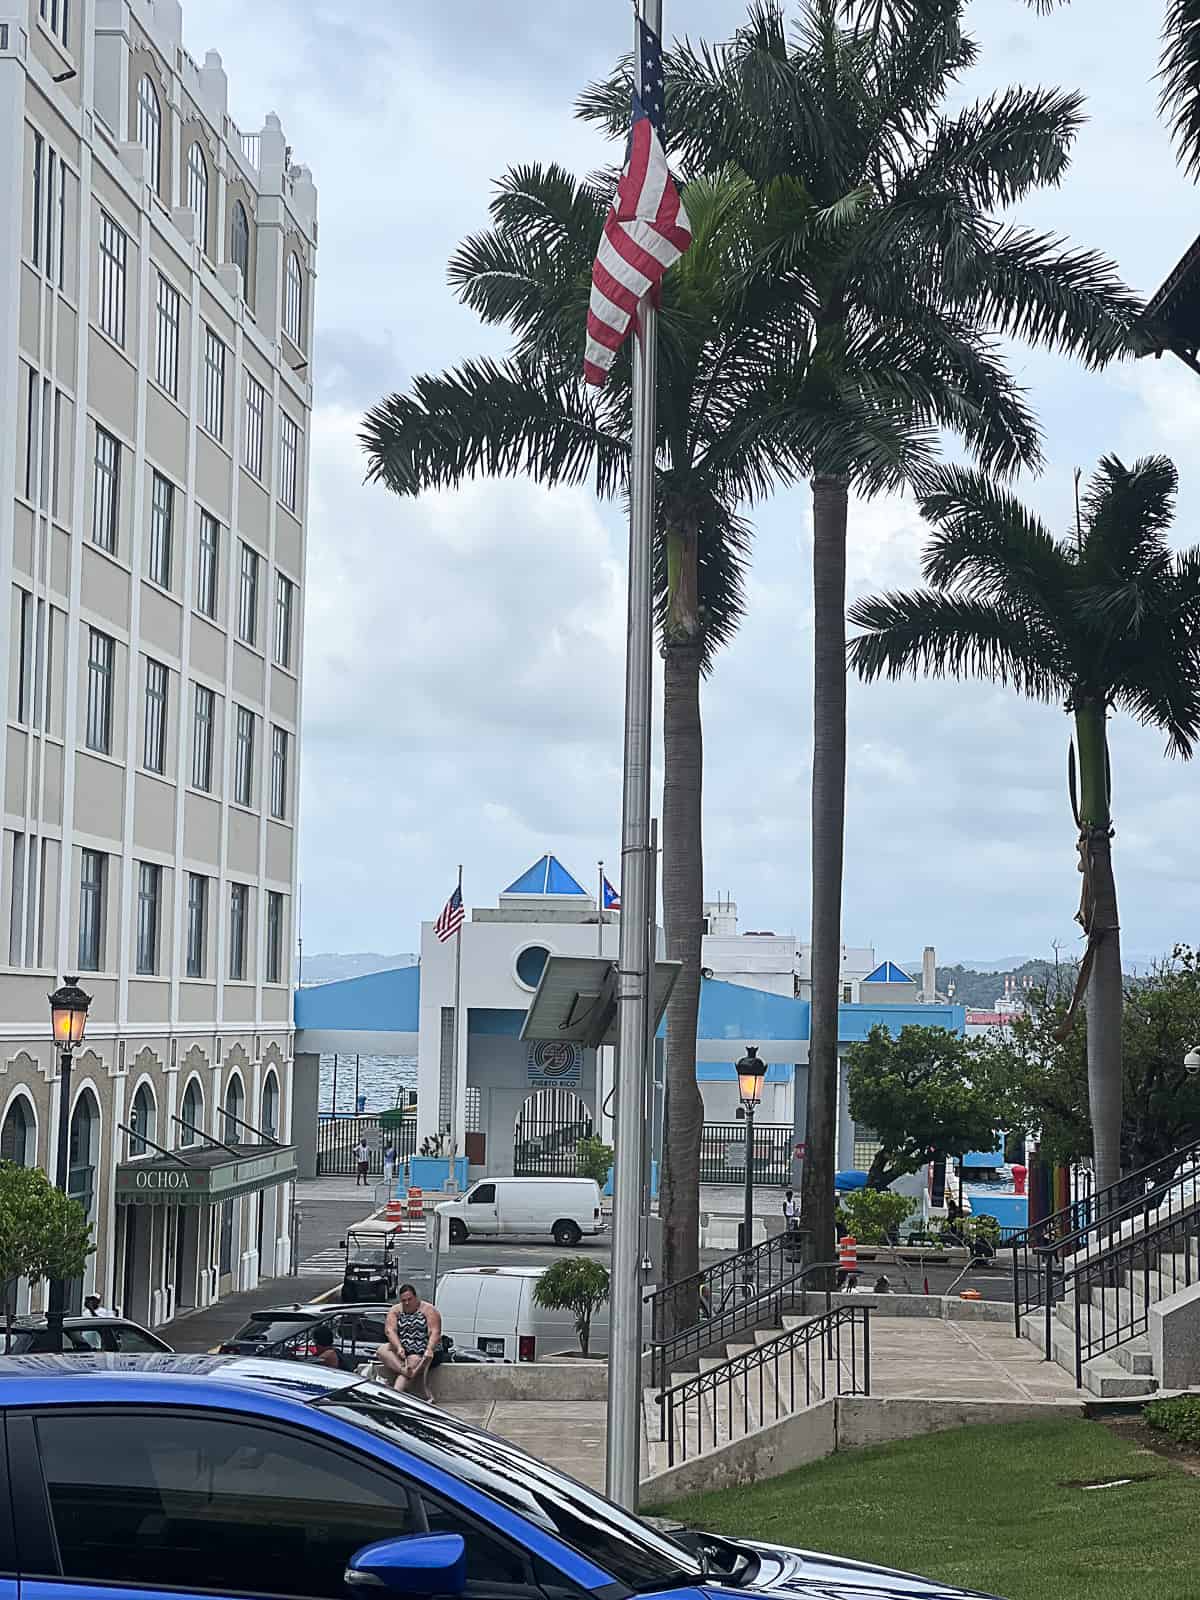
x: 647, y: 229
x: 452, y: 917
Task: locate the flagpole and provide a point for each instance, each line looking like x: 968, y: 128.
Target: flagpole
x: 623, y: 1449
x: 454, y: 1118
x: 600, y: 909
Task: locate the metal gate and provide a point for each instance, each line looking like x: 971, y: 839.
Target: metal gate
x: 549, y: 1128
x: 338, y: 1136
x: 723, y: 1153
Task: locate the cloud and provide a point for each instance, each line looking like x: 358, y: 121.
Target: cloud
x: 464, y: 653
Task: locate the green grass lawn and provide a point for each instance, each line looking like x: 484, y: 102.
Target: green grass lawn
x: 988, y: 1508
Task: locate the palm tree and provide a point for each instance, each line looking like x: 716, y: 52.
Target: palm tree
x: 728, y: 432
x: 881, y: 208
x: 1108, y: 620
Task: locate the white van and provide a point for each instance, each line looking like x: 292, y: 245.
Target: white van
x: 564, y: 1208
x: 491, y: 1309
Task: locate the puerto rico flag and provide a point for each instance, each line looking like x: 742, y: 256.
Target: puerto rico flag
x: 612, y: 900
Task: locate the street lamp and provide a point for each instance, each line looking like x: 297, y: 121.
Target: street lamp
x: 1191, y: 1061
x: 750, y: 1074
x: 68, y: 1018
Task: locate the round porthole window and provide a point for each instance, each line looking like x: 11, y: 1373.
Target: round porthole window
x: 530, y: 964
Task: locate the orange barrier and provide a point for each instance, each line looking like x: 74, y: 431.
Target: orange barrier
x: 848, y: 1253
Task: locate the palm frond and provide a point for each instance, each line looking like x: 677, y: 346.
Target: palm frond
x: 941, y: 635
x: 986, y: 543
x: 494, y: 418
x: 1179, y: 99
x: 1127, y: 512
x: 997, y: 150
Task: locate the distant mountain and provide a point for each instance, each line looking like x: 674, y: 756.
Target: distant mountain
x: 982, y: 988
x: 993, y: 964
x: 331, y: 968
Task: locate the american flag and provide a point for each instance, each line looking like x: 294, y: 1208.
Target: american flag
x: 452, y: 917
x: 647, y: 229
x: 612, y: 900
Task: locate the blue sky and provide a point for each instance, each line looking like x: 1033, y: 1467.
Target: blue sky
x: 464, y: 653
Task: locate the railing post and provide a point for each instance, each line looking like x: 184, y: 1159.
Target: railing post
x: 1048, y: 1297
x: 1016, y: 1249
x: 1078, y: 1347
x: 866, y: 1311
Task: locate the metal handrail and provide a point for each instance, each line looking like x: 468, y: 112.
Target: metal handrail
x: 751, y: 1305
x: 658, y: 1299
x: 696, y: 1406
x: 1138, y: 1258
x: 1033, y: 1244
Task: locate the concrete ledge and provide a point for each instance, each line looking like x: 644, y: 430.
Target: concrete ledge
x: 520, y: 1380
x: 767, y: 1453
x: 847, y: 1423
x: 1174, y: 1329
x: 865, y: 1421
x: 947, y: 1308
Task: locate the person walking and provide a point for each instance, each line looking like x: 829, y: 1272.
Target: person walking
x: 414, y: 1333
x: 389, y: 1164
x: 362, y: 1159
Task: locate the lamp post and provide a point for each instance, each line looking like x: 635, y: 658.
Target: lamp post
x: 68, y: 1018
x: 750, y: 1072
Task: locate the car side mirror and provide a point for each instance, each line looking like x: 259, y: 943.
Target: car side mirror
x: 426, y: 1564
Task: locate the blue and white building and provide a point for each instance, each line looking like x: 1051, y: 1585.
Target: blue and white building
x: 753, y: 992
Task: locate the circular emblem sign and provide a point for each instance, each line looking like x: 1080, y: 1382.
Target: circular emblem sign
x: 555, y: 1061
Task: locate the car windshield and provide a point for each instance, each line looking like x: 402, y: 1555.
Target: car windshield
x: 267, y: 1328
x: 369, y: 1258
x: 633, y: 1553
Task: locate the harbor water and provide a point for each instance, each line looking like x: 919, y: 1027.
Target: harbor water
x: 377, y: 1080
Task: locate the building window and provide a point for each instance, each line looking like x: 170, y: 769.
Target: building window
x: 865, y: 1148
x: 248, y: 596
x: 269, y: 1121
x: 192, y: 1115
x: 149, y: 129
x: 49, y: 200
x: 289, y: 457
x: 256, y: 415
x: 93, y: 877
x: 214, y: 384
x: 243, y: 758
x: 279, y: 773
x: 154, y: 741
x: 293, y: 301
x: 203, y: 724
x: 17, y: 1141
x: 285, y: 593
x: 162, y: 519
x: 56, y: 14
x: 239, y: 902
x: 101, y: 654
x: 274, y: 937
x: 106, y: 493
x: 166, y: 340
x: 197, y: 190
x: 240, y: 240
x: 25, y: 615
x: 197, y: 925
x: 35, y: 654
x: 149, y: 893
x: 142, y: 1121
x: 847, y: 994
x: 210, y: 562
x: 113, y: 250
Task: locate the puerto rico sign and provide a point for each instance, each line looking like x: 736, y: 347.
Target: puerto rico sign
x: 555, y: 1061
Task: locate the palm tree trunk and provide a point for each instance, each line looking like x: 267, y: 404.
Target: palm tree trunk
x: 1105, y: 991
x: 683, y: 913
x: 830, y: 498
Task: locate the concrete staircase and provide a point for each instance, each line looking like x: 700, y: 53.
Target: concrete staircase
x: 741, y: 1402
x: 1116, y: 1317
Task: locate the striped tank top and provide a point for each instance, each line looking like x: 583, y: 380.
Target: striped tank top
x: 412, y: 1330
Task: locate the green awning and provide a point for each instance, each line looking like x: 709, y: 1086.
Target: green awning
x: 204, y: 1176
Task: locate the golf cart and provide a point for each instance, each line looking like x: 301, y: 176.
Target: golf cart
x: 371, y: 1271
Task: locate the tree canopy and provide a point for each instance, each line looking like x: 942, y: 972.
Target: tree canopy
x: 43, y: 1234
x: 917, y: 1093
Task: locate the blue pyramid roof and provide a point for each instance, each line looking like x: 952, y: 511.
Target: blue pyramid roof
x: 888, y: 972
x: 547, y: 876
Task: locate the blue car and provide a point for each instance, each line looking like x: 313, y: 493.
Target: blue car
x: 171, y: 1477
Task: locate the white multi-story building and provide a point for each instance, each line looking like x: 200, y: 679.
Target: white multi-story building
x: 156, y: 276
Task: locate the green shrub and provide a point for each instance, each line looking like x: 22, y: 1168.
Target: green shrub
x: 874, y: 1216
x: 1178, y: 1419
x: 594, y: 1159
x: 575, y: 1285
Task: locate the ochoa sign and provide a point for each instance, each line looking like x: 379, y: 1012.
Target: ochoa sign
x: 169, y: 1178
x: 555, y: 1061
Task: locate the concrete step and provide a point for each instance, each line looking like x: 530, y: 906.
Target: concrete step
x: 1103, y: 1375
x: 1128, y: 1348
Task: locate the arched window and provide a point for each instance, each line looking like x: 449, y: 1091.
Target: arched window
x: 270, y: 1106
x: 240, y: 242
x: 235, y: 1108
x: 149, y: 129
x: 84, y: 1152
x: 293, y: 300
x: 192, y: 1113
x: 197, y: 190
x: 142, y: 1120
x: 16, y: 1137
